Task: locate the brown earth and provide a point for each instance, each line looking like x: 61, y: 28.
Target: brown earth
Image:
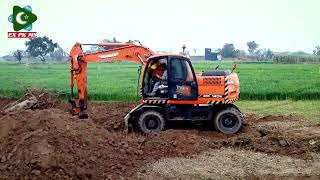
x: 51, y: 144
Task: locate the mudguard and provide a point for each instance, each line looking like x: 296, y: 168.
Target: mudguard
x: 135, y: 112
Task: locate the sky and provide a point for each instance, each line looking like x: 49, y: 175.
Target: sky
x: 164, y: 25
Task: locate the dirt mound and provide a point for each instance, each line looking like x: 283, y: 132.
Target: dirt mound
x: 32, y: 99
x: 285, y: 135
x: 4, y: 102
x: 51, y: 144
x: 110, y: 116
x: 46, y: 99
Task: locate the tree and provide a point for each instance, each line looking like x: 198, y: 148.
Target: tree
x: 317, y: 51
x: 114, y: 40
x: 241, y: 54
x: 40, y: 47
x: 132, y: 41
x: 264, y: 54
x: 228, y: 51
x: 18, y: 54
x: 269, y: 54
x: 218, y: 50
x: 59, y: 54
x: 101, y: 48
x: 252, y: 46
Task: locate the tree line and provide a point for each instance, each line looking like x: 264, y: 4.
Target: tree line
x: 229, y: 51
x: 44, y: 48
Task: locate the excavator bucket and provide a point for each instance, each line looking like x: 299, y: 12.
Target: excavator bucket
x: 76, y: 110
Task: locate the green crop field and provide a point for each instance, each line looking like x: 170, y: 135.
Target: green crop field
x: 118, y: 81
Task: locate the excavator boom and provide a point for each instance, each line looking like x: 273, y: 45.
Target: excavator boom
x: 113, y: 52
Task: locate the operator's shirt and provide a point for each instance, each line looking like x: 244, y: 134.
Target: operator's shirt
x: 158, y: 71
x: 164, y: 75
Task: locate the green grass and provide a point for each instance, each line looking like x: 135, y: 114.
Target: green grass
x: 276, y: 81
x: 309, y: 110
x: 112, y: 81
x: 118, y: 81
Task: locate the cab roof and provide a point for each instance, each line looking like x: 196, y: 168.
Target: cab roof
x: 162, y: 55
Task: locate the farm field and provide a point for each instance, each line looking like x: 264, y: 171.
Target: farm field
x: 261, y: 122
x: 118, y: 81
x: 304, y: 109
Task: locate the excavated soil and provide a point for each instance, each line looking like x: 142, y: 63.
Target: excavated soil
x: 48, y: 143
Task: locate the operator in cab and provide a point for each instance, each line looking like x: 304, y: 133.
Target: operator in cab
x: 159, y: 76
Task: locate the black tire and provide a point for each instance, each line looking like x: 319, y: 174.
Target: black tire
x: 228, y: 120
x: 151, y: 122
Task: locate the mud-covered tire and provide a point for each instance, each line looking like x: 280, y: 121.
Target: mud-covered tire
x: 228, y: 120
x: 151, y: 122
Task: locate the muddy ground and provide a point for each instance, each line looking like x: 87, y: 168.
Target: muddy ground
x: 51, y: 144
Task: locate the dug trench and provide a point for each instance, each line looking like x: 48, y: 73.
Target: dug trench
x: 49, y: 143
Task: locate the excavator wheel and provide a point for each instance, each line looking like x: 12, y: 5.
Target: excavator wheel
x: 151, y: 122
x: 228, y: 120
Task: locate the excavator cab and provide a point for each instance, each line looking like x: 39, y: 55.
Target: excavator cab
x: 178, y: 81
x: 155, y: 79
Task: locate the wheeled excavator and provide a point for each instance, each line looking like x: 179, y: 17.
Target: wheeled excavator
x: 183, y: 96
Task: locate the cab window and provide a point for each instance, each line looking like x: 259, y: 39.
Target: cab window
x: 182, y: 80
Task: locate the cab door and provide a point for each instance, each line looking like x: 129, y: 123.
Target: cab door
x: 182, y: 81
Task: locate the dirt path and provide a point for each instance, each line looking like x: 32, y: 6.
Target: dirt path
x: 230, y: 163
x: 51, y: 144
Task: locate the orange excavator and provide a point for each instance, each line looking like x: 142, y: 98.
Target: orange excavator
x: 170, y: 89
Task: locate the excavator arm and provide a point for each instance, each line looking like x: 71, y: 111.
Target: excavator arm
x: 78, y: 67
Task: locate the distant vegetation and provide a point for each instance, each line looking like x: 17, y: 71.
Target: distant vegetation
x: 229, y: 51
x: 295, y: 59
x: 316, y: 52
x: 18, y: 54
x: 46, y: 50
x: 39, y: 48
x: 118, y: 81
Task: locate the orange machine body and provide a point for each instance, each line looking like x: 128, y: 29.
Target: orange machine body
x: 215, y: 90
x: 211, y: 89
